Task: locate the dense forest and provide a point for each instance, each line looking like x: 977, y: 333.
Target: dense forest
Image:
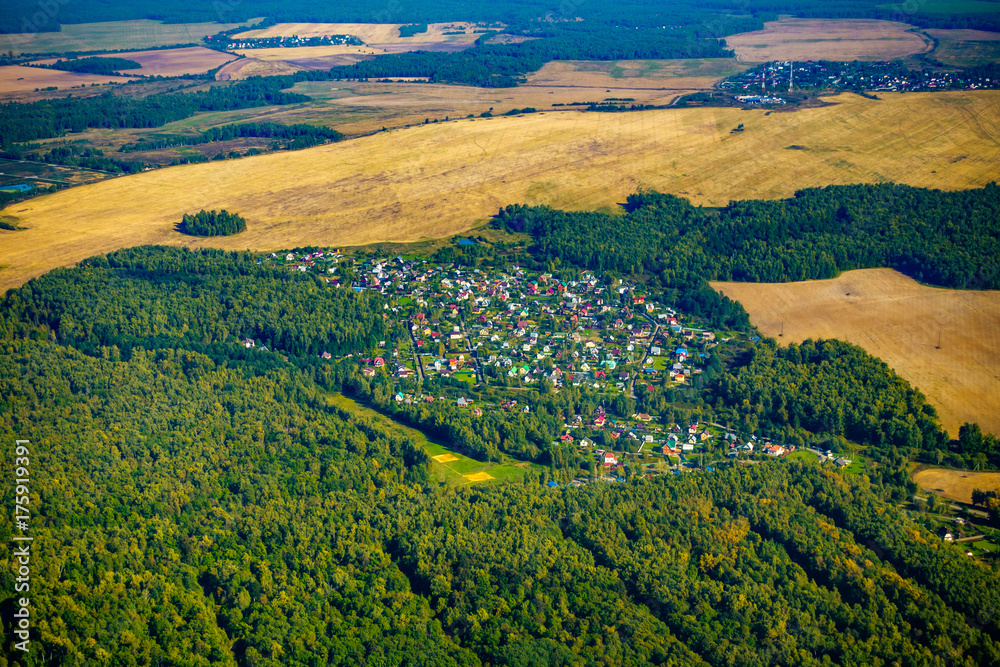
x: 296, y: 136
x: 20, y: 122
x: 238, y: 518
x: 950, y: 239
x: 29, y: 16
x: 212, y: 223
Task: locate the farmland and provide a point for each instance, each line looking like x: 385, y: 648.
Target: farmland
x: 439, y: 179
x: 16, y: 80
x: 635, y: 74
x: 944, y: 342
x: 111, y: 35
x: 956, y: 484
x: 827, y: 39
x: 966, y: 48
x: 373, y: 34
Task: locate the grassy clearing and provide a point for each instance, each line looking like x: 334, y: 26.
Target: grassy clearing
x: 956, y: 484
x: 901, y: 322
x: 803, y: 455
x: 829, y: 39
x: 449, y: 466
x: 635, y: 74
x: 111, y: 35
x: 437, y: 180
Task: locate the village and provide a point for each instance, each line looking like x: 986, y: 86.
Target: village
x: 459, y: 328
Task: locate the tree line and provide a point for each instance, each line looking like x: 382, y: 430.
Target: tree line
x: 298, y: 136
x: 212, y: 223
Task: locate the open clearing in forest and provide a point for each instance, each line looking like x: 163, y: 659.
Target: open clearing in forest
x: 436, y: 180
x: 828, y: 39
x: 113, y: 35
x: 900, y: 321
x: 448, y: 466
x: 956, y: 484
x: 379, y: 35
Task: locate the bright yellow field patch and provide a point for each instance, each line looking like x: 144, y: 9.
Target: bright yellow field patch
x: 827, y: 39
x: 445, y: 458
x: 956, y: 484
x: 903, y: 323
x: 478, y: 477
x: 441, y: 179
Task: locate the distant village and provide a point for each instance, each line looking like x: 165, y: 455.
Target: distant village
x: 516, y: 328
x: 762, y: 83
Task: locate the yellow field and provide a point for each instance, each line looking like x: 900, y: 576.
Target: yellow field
x: 956, y: 484
x: 445, y: 458
x: 167, y: 62
x: 901, y: 322
x: 478, y: 477
x: 17, y: 79
x: 369, y: 33
x: 440, y: 179
x: 111, y: 35
x: 827, y: 39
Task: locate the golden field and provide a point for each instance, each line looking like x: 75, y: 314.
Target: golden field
x: 167, y: 62
x: 828, y: 39
x: 900, y: 321
x: 956, y: 484
x: 435, y: 180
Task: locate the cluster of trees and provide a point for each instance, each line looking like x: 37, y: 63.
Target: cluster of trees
x: 296, y: 136
x: 243, y: 520
x: 72, y: 155
x: 212, y: 223
x: 20, y: 122
x: 829, y: 387
x: 95, y: 65
x: 942, y: 238
x: 413, y: 29
x: 156, y: 297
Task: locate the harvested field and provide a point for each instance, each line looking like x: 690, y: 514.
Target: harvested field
x: 966, y: 48
x: 956, y: 484
x: 636, y: 74
x: 15, y: 80
x: 827, y: 39
x: 112, y: 35
x: 244, y: 68
x: 445, y: 458
x: 302, y: 52
x: 372, y: 34
x: 900, y: 321
x: 168, y: 62
x: 441, y: 179
x: 478, y: 477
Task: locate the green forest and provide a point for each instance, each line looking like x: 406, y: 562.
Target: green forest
x: 212, y: 223
x: 198, y: 500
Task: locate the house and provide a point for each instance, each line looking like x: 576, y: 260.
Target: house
x: 946, y: 535
x: 368, y: 371
x: 609, y: 459
x: 326, y: 355
x: 643, y: 417
x: 774, y: 450
x: 842, y: 462
x: 248, y: 343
